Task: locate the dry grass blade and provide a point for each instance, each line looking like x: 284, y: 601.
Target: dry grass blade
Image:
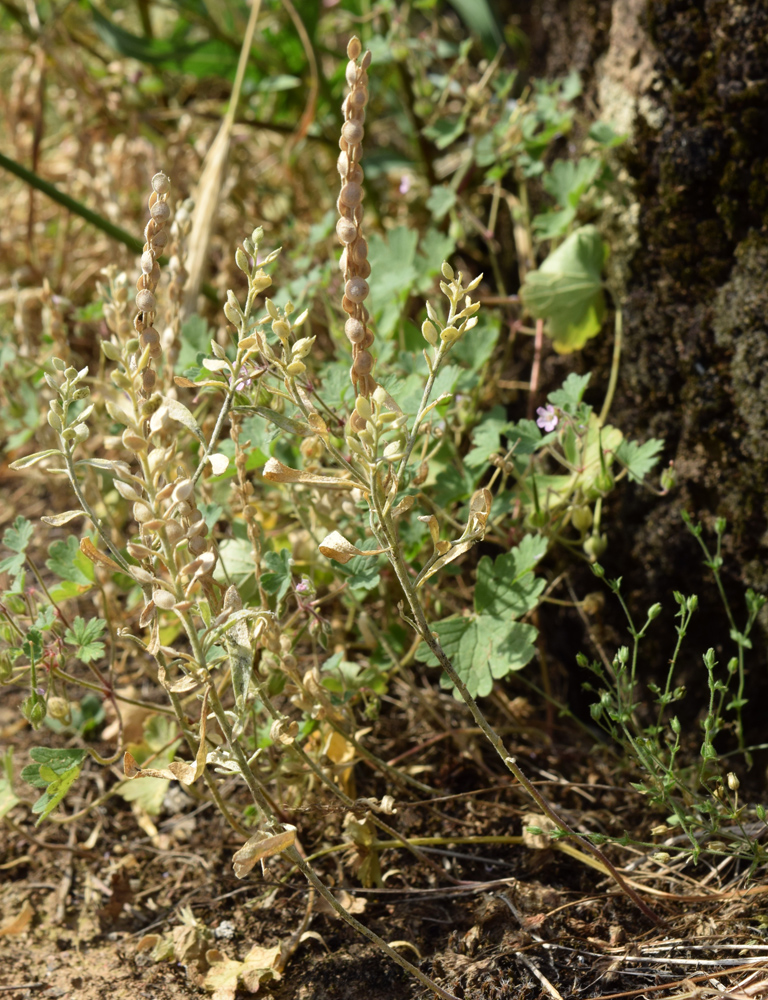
x: 208, y: 191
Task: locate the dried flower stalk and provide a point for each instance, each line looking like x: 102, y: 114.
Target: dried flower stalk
x: 354, y: 259
x: 155, y: 237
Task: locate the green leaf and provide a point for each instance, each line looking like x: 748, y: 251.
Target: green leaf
x: 18, y: 536
x: 196, y: 338
x: 606, y: 135
x: 486, y: 437
x: 551, y: 225
x: 364, y: 570
x: 69, y: 563
x: 507, y: 587
x: 480, y: 17
x: 206, y: 58
x: 482, y: 649
x: 524, y: 438
x: 393, y: 272
x: 236, y: 565
x: 54, y: 770
x: 568, y: 180
x: 441, y: 201
x: 28, y: 460
x: 8, y: 799
x: 434, y: 248
x: 444, y: 132
x: 567, y: 290
x: 277, y: 579
x: 568, y: 397
x: 639, y: 459
x: 84, y: 636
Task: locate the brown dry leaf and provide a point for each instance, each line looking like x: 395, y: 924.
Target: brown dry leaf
x: 335, y: 546
x: 178, y: 770
x: 479, y: 512
x: 261, y: 846
x: 276, y: 472
x: 20, y: 923
x: 225, y: 974
x: 351, y: 904
x: 89, y: 549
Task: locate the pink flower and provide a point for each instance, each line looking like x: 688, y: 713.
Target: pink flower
x: 405, y: 184
x: 547, y: 417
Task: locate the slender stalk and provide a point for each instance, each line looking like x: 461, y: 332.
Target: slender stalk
x: 292, y: 854
x: 72, y: 475
x: 614, y: 376
x: 401, y: 570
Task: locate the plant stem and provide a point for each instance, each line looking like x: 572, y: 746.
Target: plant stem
x: 401, y: 570
x: 614, y: 376
x: 292, y: 854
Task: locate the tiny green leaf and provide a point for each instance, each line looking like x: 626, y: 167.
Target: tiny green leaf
x: 84, y: 636
x: 68, y: 562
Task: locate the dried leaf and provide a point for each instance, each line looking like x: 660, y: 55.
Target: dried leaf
x: 20, y: 923
x: 434, y: 528
x: 89, y: 549
x: 261, y: 846
x: 480, y: 509
x: 219, y: 463
x: 178, y: 770
x: 56, y: 520
x: 276, y: 472
x: 335, y: 546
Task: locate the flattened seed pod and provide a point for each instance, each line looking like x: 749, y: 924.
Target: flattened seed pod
x: 160, y: 211
x: 149, y: 336
x: 363, y: 364
x: 351, y: 194
x: 356, y: 289
x: 353, y: 132
x: 354, y: 330
x: 145, y: 301
x: 346, y: 230
x: 359, y: 251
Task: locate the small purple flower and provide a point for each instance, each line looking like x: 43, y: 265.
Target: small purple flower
x: 547, y: 417
x: 244, y: 382
x: 405, y: 184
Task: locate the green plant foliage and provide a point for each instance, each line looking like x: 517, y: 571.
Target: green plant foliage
x: 68, y: 563
x: 55, y: 771
x: 566, y: 290
x: 277, y: 577
x: 84, y: 636
x: 490, y: 644
x: 16, y: 538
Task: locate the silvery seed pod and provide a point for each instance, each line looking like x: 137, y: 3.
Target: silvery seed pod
x: 363, y: 363
x: 356, y: 289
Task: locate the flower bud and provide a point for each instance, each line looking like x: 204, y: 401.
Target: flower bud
x: 428, y: 332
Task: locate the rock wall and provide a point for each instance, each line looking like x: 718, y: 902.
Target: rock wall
x: 688, y: 80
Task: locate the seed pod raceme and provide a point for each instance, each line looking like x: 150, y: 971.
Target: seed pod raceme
x: 155, y: 237
x: 354, y: 262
